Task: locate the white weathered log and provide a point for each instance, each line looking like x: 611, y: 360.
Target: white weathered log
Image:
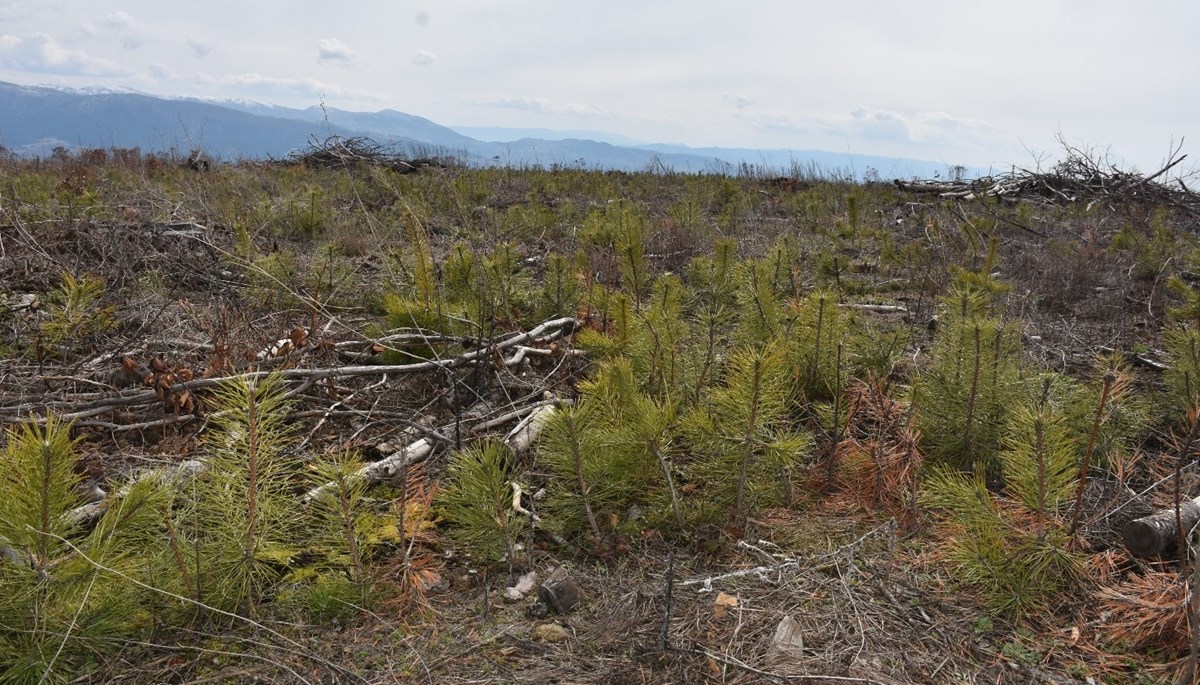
x: 521, y: 438
x: 385, y: 468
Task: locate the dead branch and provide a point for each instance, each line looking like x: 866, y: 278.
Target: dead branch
x: 1080, y: 176
x: 510, y: 351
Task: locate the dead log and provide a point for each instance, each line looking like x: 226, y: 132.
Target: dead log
x: 877, y: 308
x: 1153, y: 535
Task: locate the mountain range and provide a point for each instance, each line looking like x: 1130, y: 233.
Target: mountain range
x: 36, y: 119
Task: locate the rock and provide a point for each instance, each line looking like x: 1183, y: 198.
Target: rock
x: 550, y: 632
x: 787, y: 635
x: 560, y: 592
x: 525, y: 585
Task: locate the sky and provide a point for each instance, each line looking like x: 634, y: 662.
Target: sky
x: 982, y: 84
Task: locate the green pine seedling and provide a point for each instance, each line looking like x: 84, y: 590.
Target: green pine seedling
x: 477, y: 503
x: 59, y: 607
x: 743, y: 445
x: 1016, y: 551
x: 239, y: 518
x: 965, y: 394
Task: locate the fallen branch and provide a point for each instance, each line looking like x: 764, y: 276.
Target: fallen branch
x: 543, y: 334
x: 519, y: 439
x: 877, y: 308
x: 169, y: 475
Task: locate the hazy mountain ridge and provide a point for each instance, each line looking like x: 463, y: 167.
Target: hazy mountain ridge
x: 36, y: 119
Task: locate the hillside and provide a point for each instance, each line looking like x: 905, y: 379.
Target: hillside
x: 305, y: 423
x: 34, y: 120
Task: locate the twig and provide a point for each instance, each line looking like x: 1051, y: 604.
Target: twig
x: 739, y: 664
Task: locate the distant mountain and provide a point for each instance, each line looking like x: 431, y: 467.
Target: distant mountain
x: 499, y: 134
x: 388, y: 125
x: 35, y: 119
x: 821, y: 161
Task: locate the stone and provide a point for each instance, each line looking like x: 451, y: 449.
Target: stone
x: 525, y: 585
x: 787, y: 635
x: 550, y: 632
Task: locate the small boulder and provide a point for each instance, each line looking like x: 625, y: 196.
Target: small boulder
x: 550, y: 632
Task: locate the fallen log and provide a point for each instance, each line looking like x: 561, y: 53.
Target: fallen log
x: 877, y: 308
x: 1153, y: 535
x: 519, y: 440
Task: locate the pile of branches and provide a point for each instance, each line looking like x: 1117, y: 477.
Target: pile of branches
x: 1080, y: 176
x: 337, y: 152
x: 473, y: 388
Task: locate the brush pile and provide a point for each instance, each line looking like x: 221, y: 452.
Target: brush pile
x: 1080, y: 176
x: 336, y: 152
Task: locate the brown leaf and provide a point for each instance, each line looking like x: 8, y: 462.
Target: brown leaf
x: 723, y: 603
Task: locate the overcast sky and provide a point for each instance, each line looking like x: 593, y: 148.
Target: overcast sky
x: 959, y: 82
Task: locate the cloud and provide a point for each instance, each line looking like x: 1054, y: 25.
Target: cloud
x: 739, y: 101
x: 423, y: 58
x: 119, y: 24
x: 542, y: 106
x: 200, y: 48
x: 259, y: 85
x: 39, y: 53
x: 120, y: 21
x: 13, y: 10
x: 883, y: 125
x: 333, y: 50
x: 162, y: 72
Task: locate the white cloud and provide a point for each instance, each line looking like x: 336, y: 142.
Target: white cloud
x: 739, y: 101
x: 120, y: 25
x: 423, y: 58
x: 542, y: 106
x: 259, y: 86
x: 162, y: 72
x: 882, y: 125
x: 120, y: 21
x: 39, y: 53
x: 200, y: 48
x: 13, y: 10
x: 333, y: 50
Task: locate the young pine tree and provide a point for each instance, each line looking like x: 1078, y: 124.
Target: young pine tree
x: 238, y: 523
x: 478, y: 501
x: 610, y: 454
x: 963, y: 399
x: 64, y: 589
x: 1015, y: 549
x: 745, y: 451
